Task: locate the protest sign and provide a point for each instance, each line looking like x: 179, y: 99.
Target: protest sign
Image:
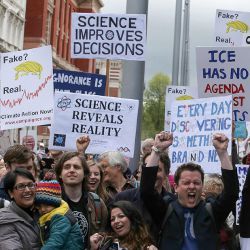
x: 232, y: 28
x: 193, y: 123
x: 242, y: 174
x: 240, y: 130
x: 177, y: 93
x: 79, y: 82
x: 110, y: 122
x: 224, y: 71
x: 26, y: 88
x: 108, y: 36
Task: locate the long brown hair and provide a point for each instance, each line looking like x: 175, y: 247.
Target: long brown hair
x: 138, y: 236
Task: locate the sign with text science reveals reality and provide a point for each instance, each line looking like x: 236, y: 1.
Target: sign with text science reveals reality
x: 232, y: 28
x: 225, y: 71
x: 177, y: 93
x: 108, y: 36
x: 26, y: 88
x: 79, y: 82
x: 110, y: 122
x: 193, y: 123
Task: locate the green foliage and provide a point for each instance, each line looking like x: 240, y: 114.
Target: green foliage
x: 154, y: 105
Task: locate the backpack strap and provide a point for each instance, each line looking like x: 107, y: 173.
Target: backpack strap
x: 167, y: 214
x: 209, y: 209
x: 96, y: 201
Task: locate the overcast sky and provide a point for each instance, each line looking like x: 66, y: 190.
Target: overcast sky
x: 161, y: 29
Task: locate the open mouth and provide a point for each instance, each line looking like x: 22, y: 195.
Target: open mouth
x: 191, y: 197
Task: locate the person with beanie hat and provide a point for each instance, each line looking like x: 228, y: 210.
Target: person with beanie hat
x: 58, y: 227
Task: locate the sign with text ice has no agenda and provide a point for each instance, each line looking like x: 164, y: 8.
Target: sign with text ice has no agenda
x: 108, y: 36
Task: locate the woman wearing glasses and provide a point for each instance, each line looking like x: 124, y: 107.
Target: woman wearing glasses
x: 18, y: 228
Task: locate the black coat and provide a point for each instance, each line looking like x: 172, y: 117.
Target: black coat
x: 205, y: 227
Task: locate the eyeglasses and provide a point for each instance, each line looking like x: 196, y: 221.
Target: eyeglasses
x: 21, y: 186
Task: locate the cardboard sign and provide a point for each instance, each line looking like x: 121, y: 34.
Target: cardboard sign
x: 26, y: 88
x: 240, y: 130
x: 108, y: 36
x: 110, y: 122
x: 79, y: 82
x: 177, y: 93
x: 232, y: 28
x: 193, y: 123
x: 224, y: 71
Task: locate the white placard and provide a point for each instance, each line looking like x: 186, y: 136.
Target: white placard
x: 26, y: 88
x: 242, y: 174
x: 110, y: 122
x: 224, y: 71
x: 108, y: 36
x: 232, y: 28
x: 174, y: 93
x: 193, y: 123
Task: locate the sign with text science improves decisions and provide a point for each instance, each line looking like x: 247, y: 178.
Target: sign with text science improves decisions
x: 232, y: 28
x: 193, y: 123
x: 110, y: 122
x: 108, y: 36
x: 225, y: 71
x: 176, y: 93
x: 26, y: 88
x: 79, y: 82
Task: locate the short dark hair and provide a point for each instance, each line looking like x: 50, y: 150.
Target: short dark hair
x: 190, y: 166
x: 18, y: 154
x: 164, y: 158
x: 67, y: 156
x: 10, y: 178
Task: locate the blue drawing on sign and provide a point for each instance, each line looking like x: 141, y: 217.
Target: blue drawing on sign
x: 64, y: 103
x: 59, y: 140
x: 109, y: 35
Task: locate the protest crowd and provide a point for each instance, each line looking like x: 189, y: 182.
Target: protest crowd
x: 82, y: 189
x: 83, y: 201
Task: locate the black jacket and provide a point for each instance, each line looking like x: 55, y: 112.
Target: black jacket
x: 204, y: 227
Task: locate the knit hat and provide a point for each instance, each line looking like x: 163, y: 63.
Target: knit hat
x: 48, y: 192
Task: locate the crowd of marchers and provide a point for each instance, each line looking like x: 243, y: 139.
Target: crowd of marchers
x: 72, y: 200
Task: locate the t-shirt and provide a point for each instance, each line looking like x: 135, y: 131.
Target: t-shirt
x: 80, y: 212
x: 190, y: 242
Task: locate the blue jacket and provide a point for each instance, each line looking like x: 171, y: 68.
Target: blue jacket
x: 205, y: 227
x: 59, y: 230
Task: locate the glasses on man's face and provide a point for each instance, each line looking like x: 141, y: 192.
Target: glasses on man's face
x: 21, y: 186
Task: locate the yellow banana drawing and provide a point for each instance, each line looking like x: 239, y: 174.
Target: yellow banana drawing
x: 28, y: 67
x: 184, y: 97
x: 237, y: 25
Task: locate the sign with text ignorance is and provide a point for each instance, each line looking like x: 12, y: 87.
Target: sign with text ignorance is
x: 110, y: 122
x: 193, y: 123
x: 225, y: 71
x: 108, y: 36
x: 79, y: 82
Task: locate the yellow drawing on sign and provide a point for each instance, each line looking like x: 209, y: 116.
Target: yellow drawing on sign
x: 184, y: 97
x: 28, y: 67
x: 237, y: 25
